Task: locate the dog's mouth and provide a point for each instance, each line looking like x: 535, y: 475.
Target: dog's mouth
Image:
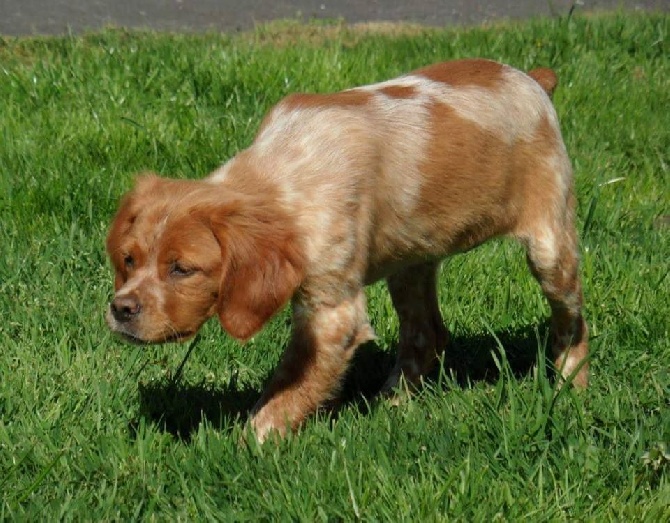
x: 174, y: 337
x: 127, y: 333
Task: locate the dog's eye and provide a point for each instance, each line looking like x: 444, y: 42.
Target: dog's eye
x: 128, y: 261
x: 180, y: 271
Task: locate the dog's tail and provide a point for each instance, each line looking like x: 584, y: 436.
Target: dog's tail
x: 546, y: 78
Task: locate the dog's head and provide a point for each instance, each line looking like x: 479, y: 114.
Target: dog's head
x: 184, y: 251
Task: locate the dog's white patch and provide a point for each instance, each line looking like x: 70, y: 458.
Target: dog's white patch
x: 138, y: 279
x: 569, y: 363
x: 543, y: 249
x: 401, y: 127
x: 559, y: 164
x: 573, y: 303
x: 145, y: 278
x: 219, y: 175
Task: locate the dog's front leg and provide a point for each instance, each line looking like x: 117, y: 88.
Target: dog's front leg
x: 324, y: 340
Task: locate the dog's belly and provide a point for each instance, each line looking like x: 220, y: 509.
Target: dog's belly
x: 425, y: 240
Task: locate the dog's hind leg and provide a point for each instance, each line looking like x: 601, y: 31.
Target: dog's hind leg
x: 423, y: 335
x: 553, y: 259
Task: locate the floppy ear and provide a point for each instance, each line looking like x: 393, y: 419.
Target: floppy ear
x: 263, y: 265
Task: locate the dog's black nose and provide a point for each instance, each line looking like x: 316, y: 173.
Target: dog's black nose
x: 125, y: 308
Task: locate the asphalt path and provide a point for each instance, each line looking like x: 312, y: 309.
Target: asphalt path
x: 32, y: 17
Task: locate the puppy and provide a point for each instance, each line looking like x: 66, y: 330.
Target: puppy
x: 338, y: 191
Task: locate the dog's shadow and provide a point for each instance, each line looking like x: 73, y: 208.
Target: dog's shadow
x: 179, y: 408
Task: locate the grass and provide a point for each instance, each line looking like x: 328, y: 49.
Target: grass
x: 91, y: 428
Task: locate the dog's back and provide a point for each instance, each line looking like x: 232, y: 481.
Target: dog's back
x: 426, y: 164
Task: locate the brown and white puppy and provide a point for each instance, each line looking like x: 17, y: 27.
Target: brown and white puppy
x: 338, y: 191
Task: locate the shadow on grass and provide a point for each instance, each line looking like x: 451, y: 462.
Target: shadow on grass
x: 179, y: 408
x: 471, y: 358
x: 467, y: 359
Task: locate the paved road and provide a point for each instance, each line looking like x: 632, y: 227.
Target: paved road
x: 25, y: 17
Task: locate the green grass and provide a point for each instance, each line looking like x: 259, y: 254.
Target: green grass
x: 91, y: 428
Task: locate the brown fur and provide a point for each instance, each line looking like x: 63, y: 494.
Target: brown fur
x: 338, y: 191
x: 397, y: 91
x: 462, y: 73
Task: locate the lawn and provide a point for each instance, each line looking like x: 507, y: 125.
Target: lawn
x: 92, y: 428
